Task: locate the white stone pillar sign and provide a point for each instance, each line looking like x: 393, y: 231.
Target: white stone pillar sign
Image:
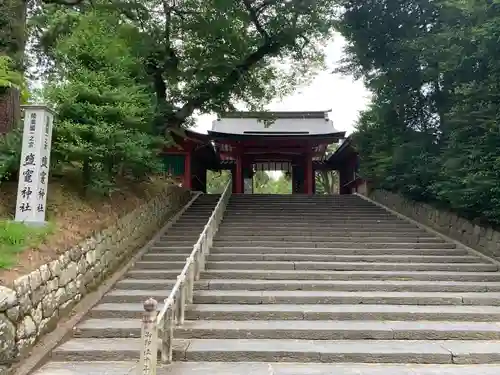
x: 35, y: 163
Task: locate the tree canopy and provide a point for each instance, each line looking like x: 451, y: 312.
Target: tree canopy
x: 432, y: 129
x: 210, y: 56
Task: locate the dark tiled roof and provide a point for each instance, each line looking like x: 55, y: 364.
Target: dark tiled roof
x: 276, y: 115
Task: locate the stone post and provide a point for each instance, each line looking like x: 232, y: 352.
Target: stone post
x: 149, y: 353
x: 35, y: 164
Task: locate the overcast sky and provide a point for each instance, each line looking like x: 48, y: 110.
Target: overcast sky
x: 342, y: 94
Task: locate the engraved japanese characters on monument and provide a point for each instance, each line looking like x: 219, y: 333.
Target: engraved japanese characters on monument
x: 35, y: 162
x: 149, y: 337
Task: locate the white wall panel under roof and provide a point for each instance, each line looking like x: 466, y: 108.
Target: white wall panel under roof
x: 280, y: 125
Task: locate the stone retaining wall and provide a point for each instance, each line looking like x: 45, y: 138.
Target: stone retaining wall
x: 483, y: 239
x: 38, y: 299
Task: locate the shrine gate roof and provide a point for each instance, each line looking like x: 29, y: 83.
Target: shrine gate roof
x: 313, y: 124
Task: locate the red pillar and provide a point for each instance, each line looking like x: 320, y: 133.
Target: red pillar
x: 239, y: 175
x: 309, y: 175
x: 187, y: 170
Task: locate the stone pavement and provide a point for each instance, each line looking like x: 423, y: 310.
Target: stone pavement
x: 249, y: 368
x: 305, y: 285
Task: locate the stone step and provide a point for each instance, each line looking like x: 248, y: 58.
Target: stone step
x: 309, y: 219
x: 170, y: 265
x: 108, y: 349
x: 152, y: 274
x: 330, y: 201
x: 175, y: 243
x: 197, y: 214
x: 312, y: 233
x: 155, y: 284
x: 188, y: 229
x: 329, y: 330
x: 187, y: 221
x: 179, y: 225
x: 323, y: 211
x: 312, y: 216
x: 299, y: 228
x: 310, y: 213
x: 134, y: 295
x: 338, y: 297
x: 330, y: 285
x: 312, y: 257
x: 328, y: 235
x: 271, y: 220
x: 300, y: 330
x: 333, y: 266
x: 177, y: 250
x: 333, y: 275
x: 199, y: 210
x: 193, y: 236
x: 317, y: 200
x: 312, y: 297
x: 465, y: 313
x: 337, y: 208
x: 361, y: 351
x: 326, y: 239
x: 308, y: 206
x: 308, y: 245
x: 272, y: 368
x: 350, y: 285
x: 263, y: 350
x: 291, y: 207
x: 109, y: 310
x: 205, y: 209
x: 319, y: 251
x: 193, y: 216
x: 166, y: 256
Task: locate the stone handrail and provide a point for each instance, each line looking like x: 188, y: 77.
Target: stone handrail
x: 158, y: 328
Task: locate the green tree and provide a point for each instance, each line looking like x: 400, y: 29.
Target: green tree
x: 281, y: 185
x: 103, y: 112
x: 327, y: 181
x: 433, y: 67
x: 13, y: 38
x: 261, y: 182
x: 201, y: 56
x: 217, y: 181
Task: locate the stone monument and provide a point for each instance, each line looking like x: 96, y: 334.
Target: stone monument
x: 35, y: 164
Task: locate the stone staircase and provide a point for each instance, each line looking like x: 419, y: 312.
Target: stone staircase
x: 154, y: 274
x: 305, y: 285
